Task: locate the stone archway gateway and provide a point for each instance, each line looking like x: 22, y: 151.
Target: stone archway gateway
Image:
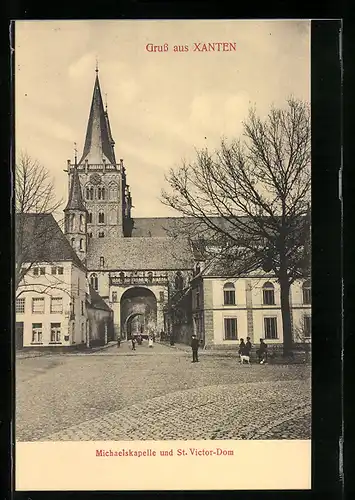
x: 138, y: 312
x: 134, y: 324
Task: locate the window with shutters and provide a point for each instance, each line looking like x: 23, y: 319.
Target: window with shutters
x: 38, y: 305
x: 56, y: 305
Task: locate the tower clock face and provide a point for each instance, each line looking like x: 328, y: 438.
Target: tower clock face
x: 95, y: 179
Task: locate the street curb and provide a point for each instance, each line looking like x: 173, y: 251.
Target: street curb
x: 72, y: 353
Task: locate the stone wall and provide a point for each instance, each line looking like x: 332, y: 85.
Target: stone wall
x: 100, y: 326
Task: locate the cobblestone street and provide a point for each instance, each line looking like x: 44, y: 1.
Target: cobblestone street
x: 118, y: 394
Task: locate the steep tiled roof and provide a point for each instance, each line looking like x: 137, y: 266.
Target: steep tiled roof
x: 98, y: 141
x: 96, y: 301
x: 163, y: 226
x: 153, y: 226
x: 40, y: 239
x: 75, y: 201
x: 140, y: 253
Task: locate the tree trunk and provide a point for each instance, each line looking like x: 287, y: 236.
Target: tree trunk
x: 286, y: 315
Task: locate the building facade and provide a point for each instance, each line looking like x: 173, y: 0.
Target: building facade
x: 226, y: 310
x: 51, y: 296
x: 53, y: 300
x: 145, y: 274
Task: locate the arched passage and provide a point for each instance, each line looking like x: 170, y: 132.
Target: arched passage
x: 134, y: 324
x: 138, y: 312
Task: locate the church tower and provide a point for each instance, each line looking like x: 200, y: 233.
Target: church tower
x: 103, y: 180
x: 75, y: 217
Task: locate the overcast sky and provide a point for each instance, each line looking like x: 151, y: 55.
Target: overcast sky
x: 161, y: 105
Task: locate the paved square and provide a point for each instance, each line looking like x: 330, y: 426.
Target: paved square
x: 117, y: 394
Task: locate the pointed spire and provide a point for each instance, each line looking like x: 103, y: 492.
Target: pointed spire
x: 98, y: 142
x: 75, y: 201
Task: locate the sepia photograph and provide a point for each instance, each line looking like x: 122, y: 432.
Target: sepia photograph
x: 163, y: 232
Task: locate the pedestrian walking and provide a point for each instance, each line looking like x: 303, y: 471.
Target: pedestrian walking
x: 241, y: 347
x: 194, y: 346
x: 150, y: 341
x: 262, y: 352
x: 248, y: 347
x: 118, y: 341
x: 133, y: 343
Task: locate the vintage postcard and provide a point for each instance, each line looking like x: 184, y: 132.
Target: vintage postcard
x: 163, y: 240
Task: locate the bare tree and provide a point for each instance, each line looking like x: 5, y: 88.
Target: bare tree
x: 248, y: 204
x: 34, y: 194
